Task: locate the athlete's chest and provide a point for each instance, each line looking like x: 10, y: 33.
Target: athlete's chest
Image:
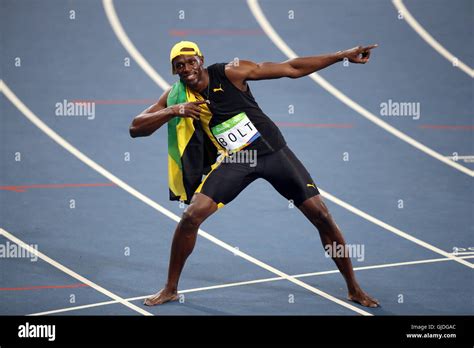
x: 230, y: 124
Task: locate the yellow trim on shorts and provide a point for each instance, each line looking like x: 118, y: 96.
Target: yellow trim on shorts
x: 213, y: 167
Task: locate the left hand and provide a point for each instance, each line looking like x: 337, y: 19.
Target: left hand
x: 359, y: 54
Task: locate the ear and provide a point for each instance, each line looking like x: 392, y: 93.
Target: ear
x: 202, y: 60
x: 173, y: 70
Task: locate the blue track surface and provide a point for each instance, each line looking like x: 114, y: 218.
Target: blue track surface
x: 82, y: 59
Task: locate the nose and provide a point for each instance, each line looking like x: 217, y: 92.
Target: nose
x: 187, y: 67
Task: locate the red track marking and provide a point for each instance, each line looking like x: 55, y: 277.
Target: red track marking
x: 80, y: 285
x: 25, y: 187
x: 224, y: 32
x: 314, y: 125
x: 435, y: 126
x: 116, y: 101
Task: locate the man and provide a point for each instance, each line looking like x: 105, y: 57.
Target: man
x: 234, y: 112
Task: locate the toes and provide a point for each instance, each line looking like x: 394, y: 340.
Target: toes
x: 151, y: 301
x: 372, y: 303
x: 159, y: 298
x: 365, y: 301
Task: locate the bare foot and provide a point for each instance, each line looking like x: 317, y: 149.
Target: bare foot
x: 362, y: 298
x: 161, y: 297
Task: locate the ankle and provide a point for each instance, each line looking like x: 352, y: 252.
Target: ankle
x: 353, y: 288
x: 171, y: 288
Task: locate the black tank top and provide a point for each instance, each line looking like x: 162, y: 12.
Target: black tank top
x: 227, y: 101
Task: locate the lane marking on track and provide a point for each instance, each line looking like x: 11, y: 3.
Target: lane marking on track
x: 142, y: 62
x: 41, y: 287
x: 314, y: 125
x: 278, y: 41
x: 395, y: 230
x: 216, y: 32
x: 446, y: 127
x: 115, y: 101
x: 249, y: 282
x: 430, y: 40
x: 72, y: 273
x: 23, y: 188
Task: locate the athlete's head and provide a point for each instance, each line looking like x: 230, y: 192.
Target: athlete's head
x: 187, y: 61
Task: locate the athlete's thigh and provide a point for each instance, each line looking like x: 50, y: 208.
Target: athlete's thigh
x: 285, y: 172
x: 226, y: 181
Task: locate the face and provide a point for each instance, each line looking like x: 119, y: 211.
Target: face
x: 189, y: 68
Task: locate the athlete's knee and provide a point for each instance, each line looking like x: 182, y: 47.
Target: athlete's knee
x: 191, y: 218
x: 315, y: 209
x: 197, y: 212
x: 321, y: 215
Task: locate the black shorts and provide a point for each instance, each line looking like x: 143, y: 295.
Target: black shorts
x: 282, y: 169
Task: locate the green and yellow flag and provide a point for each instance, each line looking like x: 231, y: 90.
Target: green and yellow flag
x: 192, y: 148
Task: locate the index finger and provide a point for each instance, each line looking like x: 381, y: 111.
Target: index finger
x: 198, y: 102
x: 371, y: 47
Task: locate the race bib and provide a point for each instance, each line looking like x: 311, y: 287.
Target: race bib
x: 236, y: 133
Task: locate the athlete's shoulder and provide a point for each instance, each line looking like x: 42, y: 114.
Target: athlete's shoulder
x: 239, y: 69
x: 218, y: 67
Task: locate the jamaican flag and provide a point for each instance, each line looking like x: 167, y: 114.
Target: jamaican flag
x: 192, y: 149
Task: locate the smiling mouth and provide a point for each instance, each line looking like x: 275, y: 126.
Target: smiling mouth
x: 190, y: 76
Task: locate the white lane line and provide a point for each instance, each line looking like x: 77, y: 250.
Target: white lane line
x: 412, y: 22
x: 117, y: 299
x: 278, y: 41
x: 122, y: 36
x: 130, y: 47
x: 249, y: 282
x: 395, y: 230
x: 101, y: 170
